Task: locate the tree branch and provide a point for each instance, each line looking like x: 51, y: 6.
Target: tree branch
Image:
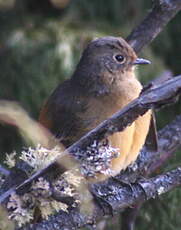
x: 4, y: 171
x: 162, y: 12
x: 154, y: 97
x: 117, y: 197
x: 111, y: 192
x: 169, y: 137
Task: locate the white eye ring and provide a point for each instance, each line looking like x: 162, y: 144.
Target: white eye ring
x: 120, y: 58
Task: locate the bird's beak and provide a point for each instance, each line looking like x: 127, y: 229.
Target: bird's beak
x: 139, y: 61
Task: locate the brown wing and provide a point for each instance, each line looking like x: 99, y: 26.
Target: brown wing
x: 44, y: 119
x: 152, y: 138
x: 61, y: 113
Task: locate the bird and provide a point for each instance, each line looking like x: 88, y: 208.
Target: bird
x: 103, y: 82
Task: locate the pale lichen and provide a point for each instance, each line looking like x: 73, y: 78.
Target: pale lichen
x: 160, y: 190
x: 46, y: 204
x: 97, y: 158
x: 73, y: 177
x: 46, y: 195
x: 40, y: 157
x: 63, y: 187
x: 19, y: 208
x: 11, y: 159
x: 48, y: 207
x: 41, y: 188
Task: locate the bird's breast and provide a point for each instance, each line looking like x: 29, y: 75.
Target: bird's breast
x: 102, y: 107
x: 129, y: 141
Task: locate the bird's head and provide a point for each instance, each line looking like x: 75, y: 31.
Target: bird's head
x: 105, y: 61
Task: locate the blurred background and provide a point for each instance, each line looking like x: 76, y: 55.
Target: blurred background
x: 40, y: 45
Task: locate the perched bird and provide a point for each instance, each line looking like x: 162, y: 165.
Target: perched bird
x: 103, y: 83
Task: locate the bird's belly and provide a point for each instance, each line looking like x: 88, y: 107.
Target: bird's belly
x: 123, y: 142
x: 130, y: 141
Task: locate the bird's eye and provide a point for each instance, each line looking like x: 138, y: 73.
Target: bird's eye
x: 120, y: 58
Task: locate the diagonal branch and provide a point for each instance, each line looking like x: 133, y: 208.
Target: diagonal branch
x: 168, y: 137
x: 162, y: 12
x: 4, y: 171
x: 154, y: 97
x: 117, y: 197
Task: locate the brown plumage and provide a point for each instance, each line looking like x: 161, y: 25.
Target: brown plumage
x: 103, y: 83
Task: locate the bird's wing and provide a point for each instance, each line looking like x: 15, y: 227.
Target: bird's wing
x: 152, y: 138
x: 61, y: 113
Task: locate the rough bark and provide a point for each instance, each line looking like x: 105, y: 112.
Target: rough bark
x: 113, y: 197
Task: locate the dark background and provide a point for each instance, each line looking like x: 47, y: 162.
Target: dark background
x: 40, y: 44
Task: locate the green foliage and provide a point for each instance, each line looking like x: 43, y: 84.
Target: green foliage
x: 168, y: 210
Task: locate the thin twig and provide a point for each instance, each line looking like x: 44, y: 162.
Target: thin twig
x: 4, y: 171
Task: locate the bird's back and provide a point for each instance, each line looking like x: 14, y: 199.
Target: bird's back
x: 61, y: 113
x: 69, y: 116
